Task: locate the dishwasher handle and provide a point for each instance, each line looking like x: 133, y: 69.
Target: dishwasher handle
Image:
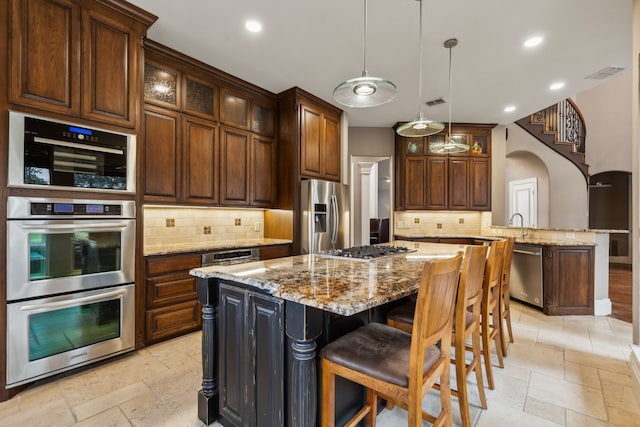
x: 534, y: 253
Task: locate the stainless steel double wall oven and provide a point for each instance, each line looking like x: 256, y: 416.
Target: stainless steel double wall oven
x: 70, y: 262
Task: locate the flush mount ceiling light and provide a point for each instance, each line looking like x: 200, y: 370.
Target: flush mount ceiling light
x: 509, y: 108
x: 556, y: 85
x: 449, y: 145
x: 533, y: 41
x: 365, y: 91
x: 253, y: 26
x: 421, y: 126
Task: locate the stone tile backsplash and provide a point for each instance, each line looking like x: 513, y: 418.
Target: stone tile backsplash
x: 184, y: 225
x: 440, y: 223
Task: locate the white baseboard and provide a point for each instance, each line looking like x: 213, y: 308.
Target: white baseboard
x: 602, y: 307
x: 634, y: 362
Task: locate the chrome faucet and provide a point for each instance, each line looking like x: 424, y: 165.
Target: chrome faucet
x: 523, y: 231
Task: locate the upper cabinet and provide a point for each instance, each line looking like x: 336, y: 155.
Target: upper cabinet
x: 221, y: 134
x: 310, y: 135
x: 247, y: 111
x: 460, y: 181
x: 79, y: 58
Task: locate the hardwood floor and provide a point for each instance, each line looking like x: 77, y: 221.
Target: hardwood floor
x: 620, y: 289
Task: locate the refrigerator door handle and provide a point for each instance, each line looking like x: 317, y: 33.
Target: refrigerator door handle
x: 335, y: 219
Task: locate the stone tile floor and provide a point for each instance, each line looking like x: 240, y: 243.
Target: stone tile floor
x: 561, y: 371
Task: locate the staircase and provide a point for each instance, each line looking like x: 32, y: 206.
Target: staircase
x: 561, y: 127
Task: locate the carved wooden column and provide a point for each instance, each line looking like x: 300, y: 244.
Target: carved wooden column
x: 303, y: 326
x: 208, y: 396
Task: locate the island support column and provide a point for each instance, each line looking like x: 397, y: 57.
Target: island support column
x: 303, y: 326
x: 208, y: 396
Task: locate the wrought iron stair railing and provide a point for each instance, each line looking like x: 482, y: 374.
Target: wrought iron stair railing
x: 562, y: 128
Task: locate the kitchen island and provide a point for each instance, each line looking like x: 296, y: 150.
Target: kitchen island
x: 263, y: 323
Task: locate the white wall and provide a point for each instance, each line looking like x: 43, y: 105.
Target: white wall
x: 568, y: 196
x: 523, y: 165
x: 607, y: 115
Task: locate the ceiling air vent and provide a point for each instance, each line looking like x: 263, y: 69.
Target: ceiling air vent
x: 435, y: 102
x: 604, y: 73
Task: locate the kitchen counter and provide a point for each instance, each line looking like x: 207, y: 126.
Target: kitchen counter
x: 341, y: 286
x: 263, y: 323
x: 211, y: 246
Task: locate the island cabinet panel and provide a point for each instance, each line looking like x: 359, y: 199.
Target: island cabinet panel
x: 78, y: 58
x: 568, y: 280
x: 200, y: 155
x: 251, y: 354
x: 271, y: 252
x: 171, y: 301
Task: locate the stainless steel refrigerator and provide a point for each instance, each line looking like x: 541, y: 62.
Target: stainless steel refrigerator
x: 325, y: 216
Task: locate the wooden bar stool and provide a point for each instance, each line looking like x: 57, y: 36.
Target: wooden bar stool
x: 505, y: 294
x: 396, y: 365
x: 466, y: 324
x: 490, y: 317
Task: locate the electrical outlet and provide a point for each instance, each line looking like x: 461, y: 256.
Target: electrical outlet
x: 170, y: 222
x: 207, y: 229
x: 570, y: 235
x: 256, y: 226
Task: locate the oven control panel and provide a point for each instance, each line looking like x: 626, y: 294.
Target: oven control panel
x: 97, y: 209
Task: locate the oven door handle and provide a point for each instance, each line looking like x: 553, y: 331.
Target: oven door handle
x: 74, y: 302
x: 84, y: 226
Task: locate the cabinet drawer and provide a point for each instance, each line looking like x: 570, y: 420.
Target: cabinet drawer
x: 171, y: 290
x: 275, y: 252
x: 169, y: 321
x: 162, y: 265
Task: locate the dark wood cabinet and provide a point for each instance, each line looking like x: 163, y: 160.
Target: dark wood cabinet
x: 77, y: 58
x: 319, y: 143
x: 161, y: 155
x: 568, y: 278
x: 234, y: 167
x: 227, y: 164
x: 200, y: 161
x: 171, y: 301
x: 278, y: 251
x: 262, y: 168
x: 461, y: 181
x: 251, y: 353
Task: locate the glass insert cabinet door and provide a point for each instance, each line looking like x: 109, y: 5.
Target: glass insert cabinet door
x: 73, y: 254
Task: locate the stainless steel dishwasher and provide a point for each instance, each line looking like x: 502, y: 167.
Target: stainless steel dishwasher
x: 526, y: 274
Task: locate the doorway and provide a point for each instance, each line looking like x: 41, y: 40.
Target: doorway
x: 371, y: 196
x: 523, y: 200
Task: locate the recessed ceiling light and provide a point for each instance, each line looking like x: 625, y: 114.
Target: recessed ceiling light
x: 253, y: 26
x: 533, y: 41
x: 509, y: 108
x: 556, y: 85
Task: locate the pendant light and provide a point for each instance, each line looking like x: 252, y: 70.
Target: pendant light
x: 449, y: 145
x: 421, y: 126
x: 365, y: 91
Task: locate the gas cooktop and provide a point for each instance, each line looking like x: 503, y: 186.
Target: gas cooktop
x: 368, y: 252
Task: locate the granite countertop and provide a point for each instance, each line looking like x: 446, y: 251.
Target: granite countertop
x: 529, y: 240
x: 342, y: 286
x: 211, y: 246
x: 575, y: 230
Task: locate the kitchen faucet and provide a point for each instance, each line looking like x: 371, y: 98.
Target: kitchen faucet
x: 523, y: 232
